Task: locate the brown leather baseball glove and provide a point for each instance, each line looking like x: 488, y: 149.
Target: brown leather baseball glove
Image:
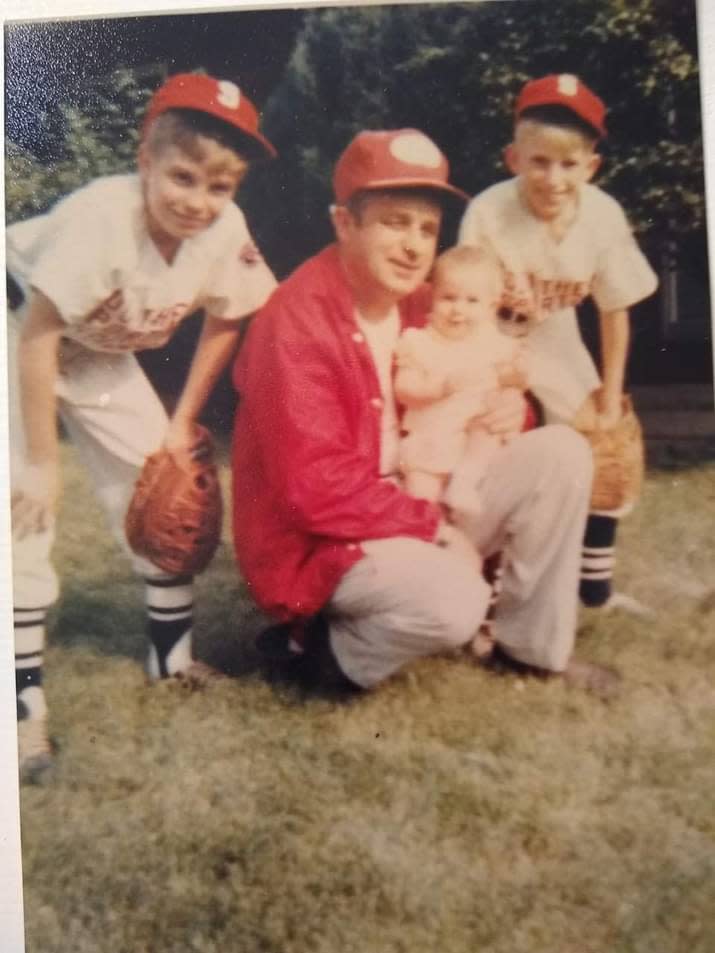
x: 619, y: 461
x: 174, y: 517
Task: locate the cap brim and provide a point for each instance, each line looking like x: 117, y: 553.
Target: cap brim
x: 600, y: 131
x: 264, y: 149
x: 252, y: 145
x: 445, y: 190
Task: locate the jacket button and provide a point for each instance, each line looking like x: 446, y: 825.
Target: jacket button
x: 358, y: 338
x: 376, y: 402
x: 352, y: 546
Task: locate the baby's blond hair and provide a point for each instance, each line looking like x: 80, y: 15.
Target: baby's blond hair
x: 473, y: 257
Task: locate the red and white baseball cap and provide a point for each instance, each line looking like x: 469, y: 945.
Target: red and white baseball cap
x: 391, y: 159
x: 217, y: 97
x: 564, y: 89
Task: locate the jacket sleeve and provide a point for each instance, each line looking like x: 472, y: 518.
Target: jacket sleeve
x: 321, y: 467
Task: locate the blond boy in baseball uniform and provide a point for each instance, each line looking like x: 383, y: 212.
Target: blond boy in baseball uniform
x: 114, y: 268
x: 561, y: 239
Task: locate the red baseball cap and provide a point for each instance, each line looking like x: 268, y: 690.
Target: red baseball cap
x: 392, y: 159
x: 217, y: 97
x: 564, y: 89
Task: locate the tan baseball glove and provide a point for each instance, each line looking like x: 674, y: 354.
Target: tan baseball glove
x: 174, y: 517
x: 619, y: 460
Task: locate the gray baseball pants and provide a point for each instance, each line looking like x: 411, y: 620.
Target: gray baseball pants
x: 115, y: 420
x: 407, y: 598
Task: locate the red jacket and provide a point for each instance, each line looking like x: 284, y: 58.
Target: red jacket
x: 306, y: 449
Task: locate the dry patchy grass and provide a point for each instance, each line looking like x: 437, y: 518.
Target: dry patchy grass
x: 450, y: 810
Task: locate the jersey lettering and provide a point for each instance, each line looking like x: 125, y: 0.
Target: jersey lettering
x: 108, y: 327
x: 537, y: 297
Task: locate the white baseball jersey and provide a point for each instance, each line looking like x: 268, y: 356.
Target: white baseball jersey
x: 92, y: 256
x: 545, y: 279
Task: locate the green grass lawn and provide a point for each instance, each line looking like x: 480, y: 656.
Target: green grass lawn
x: 451, y: 810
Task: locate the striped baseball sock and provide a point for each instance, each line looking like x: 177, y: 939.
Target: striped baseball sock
x: 29, y: 626
x: 170, y: 606
x: 598, y: 559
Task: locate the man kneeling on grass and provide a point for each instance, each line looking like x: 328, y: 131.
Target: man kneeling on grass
x: 364, y: 577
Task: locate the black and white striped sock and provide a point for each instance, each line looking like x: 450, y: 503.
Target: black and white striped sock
x: 170, y: 606
x: 598, y: 560
x: 29, y: 627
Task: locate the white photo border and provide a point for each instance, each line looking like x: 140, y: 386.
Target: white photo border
x: 11, y: 906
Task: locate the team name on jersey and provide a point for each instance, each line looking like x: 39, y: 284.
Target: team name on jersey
x: 111, y: 326
x: 537, y: 297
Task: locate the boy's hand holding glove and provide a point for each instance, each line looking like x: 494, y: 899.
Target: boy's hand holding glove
x: 174, y: 517
x: 618, y: 456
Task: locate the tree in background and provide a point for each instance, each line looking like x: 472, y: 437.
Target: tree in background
x: 454, y: 71
x: 100, y: 137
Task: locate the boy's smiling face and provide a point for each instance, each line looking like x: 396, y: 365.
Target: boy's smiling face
x: 183, y: 193
x: 552, y: 164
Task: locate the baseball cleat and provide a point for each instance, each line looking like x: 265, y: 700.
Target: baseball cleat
x: 191, y: 673
x: 35, y: 758
x: 620, y: 602
x: 281, y: 643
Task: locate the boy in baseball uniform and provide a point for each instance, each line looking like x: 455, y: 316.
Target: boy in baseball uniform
x: 561, y: 239
x: 114, y: 268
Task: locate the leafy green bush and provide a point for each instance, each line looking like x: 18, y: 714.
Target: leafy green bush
x: 102, y: 125
x: 454, y: 71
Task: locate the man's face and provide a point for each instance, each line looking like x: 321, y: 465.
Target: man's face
x: 389, y: 246
x: 463, y: 298
x: 185, y: 194
x: 552, y: 164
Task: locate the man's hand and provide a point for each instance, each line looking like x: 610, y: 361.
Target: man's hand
x: 506, y: 412
x: 34, y: 504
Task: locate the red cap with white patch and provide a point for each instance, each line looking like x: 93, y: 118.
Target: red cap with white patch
x: 217, y: 97
x: 564, y: 89
x: 391, y: 159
